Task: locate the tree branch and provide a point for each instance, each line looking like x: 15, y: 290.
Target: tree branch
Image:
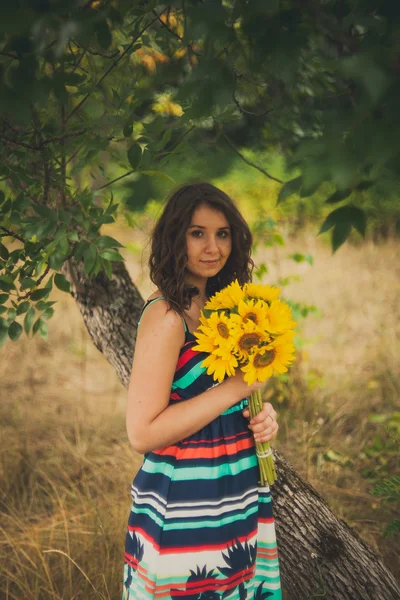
x: 11, y: 234
x: 248, y: 161
x: 27, y: 146
x: 114, y: 64
x: 94, y: 53
x: 10, y: 55
x: 159, y: 155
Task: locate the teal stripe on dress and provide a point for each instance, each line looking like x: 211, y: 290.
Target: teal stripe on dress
x: 185, y: 473
x: 211, y: 524
x: 189, y: 377
x: 235, y: 408
x: 267, y: 545
x: 264, y: 499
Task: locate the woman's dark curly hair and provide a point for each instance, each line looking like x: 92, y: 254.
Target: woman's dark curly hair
x: 168, y: 256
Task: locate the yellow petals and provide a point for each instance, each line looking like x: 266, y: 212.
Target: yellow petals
x: 264, y: 292
x: 220, y: 366
x: 227, y: 298
x: 248, y: 328
x: 280, y: 317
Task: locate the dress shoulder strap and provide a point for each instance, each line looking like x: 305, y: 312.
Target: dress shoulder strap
x: 155, y: 300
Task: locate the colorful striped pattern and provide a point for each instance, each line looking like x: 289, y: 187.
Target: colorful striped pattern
x: 200, y: 528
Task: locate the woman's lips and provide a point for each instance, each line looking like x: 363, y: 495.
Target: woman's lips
x: 210, y: 262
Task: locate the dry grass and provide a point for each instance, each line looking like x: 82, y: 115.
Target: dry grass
x: 65, y: 462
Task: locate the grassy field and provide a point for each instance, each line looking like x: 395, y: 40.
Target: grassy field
x: 66, y: 465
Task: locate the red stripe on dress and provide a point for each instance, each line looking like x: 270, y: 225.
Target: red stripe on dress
x: 220, y: 439
x: 268, y: 556
x: 184, y: 358
x: 265, y: 519
x: 197, y: 587
x: 213, y: 452
x: 209, y: 547
x: 183, y: 549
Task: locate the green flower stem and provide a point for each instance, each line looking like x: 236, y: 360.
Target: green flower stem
x: 266, y: 464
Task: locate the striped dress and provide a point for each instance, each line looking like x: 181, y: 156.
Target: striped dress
x: 200, y: 527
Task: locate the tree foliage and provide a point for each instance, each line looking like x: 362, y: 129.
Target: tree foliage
x: 88, y: 87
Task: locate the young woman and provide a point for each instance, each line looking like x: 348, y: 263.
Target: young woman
x: 200, y: 528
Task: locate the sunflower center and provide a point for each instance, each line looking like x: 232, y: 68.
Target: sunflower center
x: 264, y: 360
x: 248, y: 340
x: 250, y: 316
x: 223, y: 330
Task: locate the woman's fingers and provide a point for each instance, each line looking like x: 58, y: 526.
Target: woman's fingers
x: 267, y: 434
x: 263, y: 425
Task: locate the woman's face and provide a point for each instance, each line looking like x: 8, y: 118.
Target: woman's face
x: 208, y: 243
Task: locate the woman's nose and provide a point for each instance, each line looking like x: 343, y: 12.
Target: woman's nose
x: 212, y: 244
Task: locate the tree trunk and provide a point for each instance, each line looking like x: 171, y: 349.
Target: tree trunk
x: 320, y: 555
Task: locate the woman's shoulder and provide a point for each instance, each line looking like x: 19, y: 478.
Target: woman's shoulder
x: 159, y: 315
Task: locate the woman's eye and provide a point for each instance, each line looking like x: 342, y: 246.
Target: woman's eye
x: 196, y: 233
x: 224, y: 234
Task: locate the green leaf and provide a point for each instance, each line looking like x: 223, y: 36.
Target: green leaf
x: 108, y: 269
x: 48, y: 313
x: 40, y: 294
x: 43, y: 329
x: 135, y: 155
x: 28, y: 283
x: 61, y: 282
x: 338, y: 196
x: 73, y: 236
x: 81, y: 247
x: 23, y: 308
x: 6, y: 283
x: 105, y: 241
x: 3, y: 298
x: 340, y: 233
x: 41, y: 305
x: 73, y: 79
x: 298, y: 257
x: 4, y: 254
x: 29, y: 320
x: 14, y: 331
x: 45, y: 212
x: 164, y: 140
x: 89, y: 259
x: 3, y: 331
x: 365, y: 185
x: 103, y: 33
x: 289, y: 188
x: 110, y: 254
x: 128, y: 128
x: 345, y: 214
x: 56, y: 260
x: 36, y: 326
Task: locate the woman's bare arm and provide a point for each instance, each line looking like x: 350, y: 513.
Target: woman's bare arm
x: 152, y: 423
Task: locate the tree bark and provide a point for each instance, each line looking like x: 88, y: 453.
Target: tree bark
x: 320, y: 555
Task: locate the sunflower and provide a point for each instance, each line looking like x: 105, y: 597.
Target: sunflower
x: 280, y: 317
x: 276, y: 356
x: 219, y: 364
x: 229, y: 297
x: 263, y: 292
x: 215, y: 332
x: 253, y: 310
x: 204, y: 343
x: 247, y: 338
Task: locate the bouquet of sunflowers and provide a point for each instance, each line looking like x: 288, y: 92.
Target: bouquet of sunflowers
x: 248, y: 328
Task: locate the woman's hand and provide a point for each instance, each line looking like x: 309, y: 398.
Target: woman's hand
x: 263, y: 425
